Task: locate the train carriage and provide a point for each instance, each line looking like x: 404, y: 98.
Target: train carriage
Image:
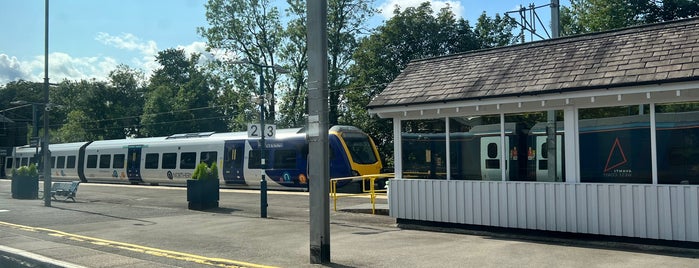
x: 172, y: 159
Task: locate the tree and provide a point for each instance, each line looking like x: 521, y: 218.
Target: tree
x: 180, y: 98
x: 495, y: 32
x: 410, y: 34
x: 345, y: 21
x: 585, y: 16
x: 251, y: 30
x: 127, y: 87
x: 294, y: 103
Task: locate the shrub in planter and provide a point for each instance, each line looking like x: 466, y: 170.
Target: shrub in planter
x: 203, y: 188
x: 25, y: 182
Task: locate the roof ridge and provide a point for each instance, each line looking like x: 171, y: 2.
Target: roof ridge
x: 568, y: 39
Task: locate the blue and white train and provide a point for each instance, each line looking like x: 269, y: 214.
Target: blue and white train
x: 172, y: 159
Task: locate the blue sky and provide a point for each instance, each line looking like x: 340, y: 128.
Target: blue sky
x: 88, y: 38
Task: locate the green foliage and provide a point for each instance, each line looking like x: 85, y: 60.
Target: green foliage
x: 205, y: 172
x: 585, y: 16
x: 180, y: 98
x: 26, y: 171
x: 411, y: 34
x: 250, y: 29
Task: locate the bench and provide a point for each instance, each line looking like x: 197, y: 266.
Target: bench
x: 64, y: 189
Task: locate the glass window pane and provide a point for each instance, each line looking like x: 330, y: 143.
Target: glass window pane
x: 615, y: 144
x: 188, y: 160
x: 677, y: 136
x: 105, y: 160
x: 70, y: 163
x: 61, y: 162
x: 169, y: 161
x: 208, y: 157
x: 152, y: 161
x: 284, y: 159
x: 91, y: 161
x: 424, y: 149
x: 255, y: 161
x: 360, y: 148
x: 118, y: 161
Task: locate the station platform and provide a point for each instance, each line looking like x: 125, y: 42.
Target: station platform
x: 150, y: 226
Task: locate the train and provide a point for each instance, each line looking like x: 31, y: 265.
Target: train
x: 612, y: 150
x: 172, y: 159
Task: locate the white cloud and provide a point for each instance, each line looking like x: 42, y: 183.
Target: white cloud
x: 61, y: 67
x: 389, y: 6
x: 129, y: 42
x: 12, y: 69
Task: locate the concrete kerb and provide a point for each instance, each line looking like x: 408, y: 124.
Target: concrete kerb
x: 12, y: 257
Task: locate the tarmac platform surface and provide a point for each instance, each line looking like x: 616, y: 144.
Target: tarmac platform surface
x: 149, y: 226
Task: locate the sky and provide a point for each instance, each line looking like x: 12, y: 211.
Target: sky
x: 89, y: 38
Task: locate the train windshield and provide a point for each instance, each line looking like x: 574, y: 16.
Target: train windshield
x: 360, y: 148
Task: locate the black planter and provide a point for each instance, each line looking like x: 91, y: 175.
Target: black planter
x: 25, y: 187
x: 202, y: 194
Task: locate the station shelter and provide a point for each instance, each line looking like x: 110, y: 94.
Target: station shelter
x: 593, y: 134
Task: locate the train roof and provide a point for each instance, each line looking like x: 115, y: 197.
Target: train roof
x: 192, y: 138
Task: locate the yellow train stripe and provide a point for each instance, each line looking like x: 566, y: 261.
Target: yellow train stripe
x: 140, y: 249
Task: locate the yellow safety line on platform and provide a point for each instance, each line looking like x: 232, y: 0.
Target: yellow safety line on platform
x: 141, y: 249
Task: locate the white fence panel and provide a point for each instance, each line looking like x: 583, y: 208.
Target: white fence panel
x: 669, y: 212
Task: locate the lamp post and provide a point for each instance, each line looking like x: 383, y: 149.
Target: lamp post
x: 263, y: 148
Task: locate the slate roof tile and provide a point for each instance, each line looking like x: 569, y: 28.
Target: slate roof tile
x: 639, y: 55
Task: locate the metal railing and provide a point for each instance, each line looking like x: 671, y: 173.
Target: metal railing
x: 364, y: 178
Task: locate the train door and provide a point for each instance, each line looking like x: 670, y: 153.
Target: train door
x: 133, y: 164
x: 233, y: 157
x: 491, y: 153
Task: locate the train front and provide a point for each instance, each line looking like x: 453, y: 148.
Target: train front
x: 361, y: 152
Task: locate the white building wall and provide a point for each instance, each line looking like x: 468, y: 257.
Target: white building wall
x: 669, y: 212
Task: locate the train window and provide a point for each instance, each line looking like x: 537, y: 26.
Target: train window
x: 492, y: 164
x: 61, y: 162
x: 70, y: 163
x: 255, y: 160
x: 25, y: 161
x: 360, y: 148
x: 188, y: 160
x: 208, y: 157
x: 492, y: 150
x: 53, y: 162
x: 545, y: 150
x: 152, y: 161
x: 118, y: 161
x: 105, y: 160
x: 9, y: 163
x: 284, y: 159
x: 169, y: 161
x: 91, y: 161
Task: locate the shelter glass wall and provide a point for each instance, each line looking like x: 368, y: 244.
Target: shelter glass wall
x: 533, y: 154
x: 424, y: 149
x: 474, y: 145
x: 615, y: 144
x: 677, y: 142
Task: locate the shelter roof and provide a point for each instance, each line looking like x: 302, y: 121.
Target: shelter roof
x: 644, y: 55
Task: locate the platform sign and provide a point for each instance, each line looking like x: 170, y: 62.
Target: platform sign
x: 254, y: 131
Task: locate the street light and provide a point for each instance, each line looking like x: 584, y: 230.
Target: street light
x: 263, y: 149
